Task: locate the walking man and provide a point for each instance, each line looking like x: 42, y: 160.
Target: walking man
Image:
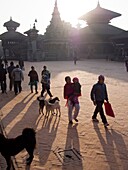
x: 17, y: 76
x: 33, y: 79
x: 3, y: 73
x: 46, y: 81
x: 98, y: 95
x: 10, y: 69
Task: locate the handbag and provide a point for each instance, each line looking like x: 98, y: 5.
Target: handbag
x: 108, y: 109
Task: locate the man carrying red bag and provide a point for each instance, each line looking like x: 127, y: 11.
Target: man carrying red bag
x: 98, y: 95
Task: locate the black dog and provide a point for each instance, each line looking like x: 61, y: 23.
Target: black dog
x: 11, y: 147
x: 41, y: 104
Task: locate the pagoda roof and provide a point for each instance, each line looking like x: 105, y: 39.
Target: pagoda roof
x: 101, y: 29
x: 31, y: 31
x: 12, y: 35
x: 123, y: 35
x: 99, y: 14
x: 11, y: 23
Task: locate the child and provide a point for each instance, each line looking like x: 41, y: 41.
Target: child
x: 77, y: 87
x: 77, y: 93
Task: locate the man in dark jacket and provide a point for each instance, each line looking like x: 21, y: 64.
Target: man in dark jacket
x: 33, y: 79
x: 10, y: 69
x: 46, y: 81
x: 98, y: 95
x: 3, y: 73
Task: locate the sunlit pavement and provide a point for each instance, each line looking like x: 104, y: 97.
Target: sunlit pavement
x: 82, y: 146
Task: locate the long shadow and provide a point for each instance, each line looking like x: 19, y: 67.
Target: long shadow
x: 15, y: 111
x: 46, y: 137
x: 72, y: 142
x: 121, y: 148
x: 108, y: 147
x: 28, y: 120
x: 5, y: 98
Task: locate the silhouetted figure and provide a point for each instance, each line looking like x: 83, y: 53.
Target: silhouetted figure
x: 3, y: 73
x: 33, y: 79
x: 17, y: 76
x: 21, y: 64
x: 126, y: 64
x: 46, y: 81
x: 10, y: 69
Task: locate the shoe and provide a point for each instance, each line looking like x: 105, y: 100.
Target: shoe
x: 95, y: 120
x: 106, y: 124
x: 70, y: 122
x: 76, y: 120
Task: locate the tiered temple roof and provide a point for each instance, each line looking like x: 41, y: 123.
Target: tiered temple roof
x: 99, y: 15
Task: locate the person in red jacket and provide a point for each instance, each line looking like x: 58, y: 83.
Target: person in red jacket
x: 72, y: 99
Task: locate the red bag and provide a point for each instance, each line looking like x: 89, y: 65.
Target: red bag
x: 108, y: 109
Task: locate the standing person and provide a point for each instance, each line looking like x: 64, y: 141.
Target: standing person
x: 33, y: 79
x: 3, y: 73
x: 46, y: 81
x: 126, y: 64
x: 21, y: 63
x: 10, y: 69
x: 6, y: 63
x: 75, y: 60
x: 17, y: 76
x: 98, y: 95
x: 72, y: 100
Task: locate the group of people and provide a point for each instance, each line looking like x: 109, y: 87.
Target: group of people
x: 45, y: 80
x: 15, y: 75
x: 72, y: 91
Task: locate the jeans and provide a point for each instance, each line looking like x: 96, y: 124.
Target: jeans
x: 17, y: 87
x: 3, y: 86
x: 70, y: 110
x: 46, y: 88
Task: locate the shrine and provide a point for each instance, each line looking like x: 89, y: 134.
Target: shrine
x: 96, y: 38
x: 57, y: 42
x: 13, y: 42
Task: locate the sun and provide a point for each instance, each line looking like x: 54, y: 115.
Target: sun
x: 71, y: 10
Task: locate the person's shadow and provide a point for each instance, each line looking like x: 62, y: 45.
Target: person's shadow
x: 72, y: 159
x: 16, y: 110
x: 46, y: 137
x: 109, y: 150
x: 121, y: 149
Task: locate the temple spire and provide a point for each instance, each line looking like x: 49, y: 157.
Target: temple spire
x: 55, y: 15
x: 56, y: 3
x: 98, y: 4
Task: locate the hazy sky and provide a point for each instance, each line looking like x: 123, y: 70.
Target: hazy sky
x: 25, y: 12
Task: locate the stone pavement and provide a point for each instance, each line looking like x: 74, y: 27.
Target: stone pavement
x: 81, y: 146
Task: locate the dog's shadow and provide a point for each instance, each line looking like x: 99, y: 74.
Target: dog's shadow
x: 46, y: 137
x: 27, y: 167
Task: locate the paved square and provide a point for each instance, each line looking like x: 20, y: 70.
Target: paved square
x: 100, y: 148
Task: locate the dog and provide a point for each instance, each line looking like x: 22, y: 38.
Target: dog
x: 41, y: 104
x: 11, y: 147
x: 52, y: 105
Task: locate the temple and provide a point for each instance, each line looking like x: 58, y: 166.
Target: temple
x: 57, y: 40
x: 13, y: 42
x: 96, y: 38
x: 99, y: 39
